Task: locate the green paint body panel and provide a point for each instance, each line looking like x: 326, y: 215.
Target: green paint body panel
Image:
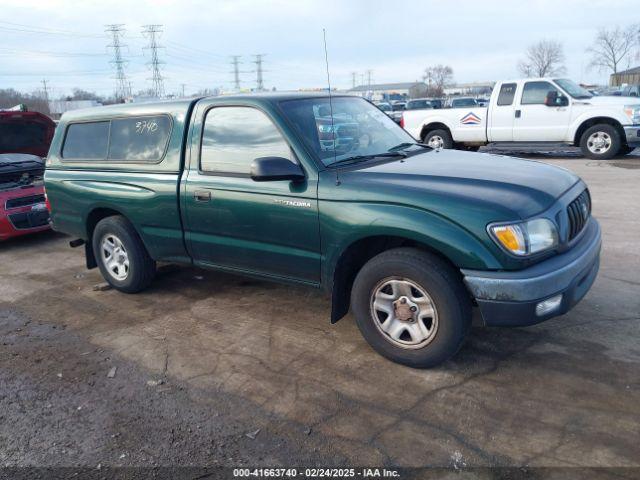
x: 296, y: 232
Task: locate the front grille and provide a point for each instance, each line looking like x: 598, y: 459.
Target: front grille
x: 24, y: 201
x: 579, y: 212
x: 22, y: 221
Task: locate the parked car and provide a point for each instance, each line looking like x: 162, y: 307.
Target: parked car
x: 384, y: 106
x: 409, y: 237
x: 24, y: 141
x: 436, y: 102
x: 397, y: 108
x: 418, y: 104
x: 462, y: 102
x: 630, y: 91
x: 542, y: 112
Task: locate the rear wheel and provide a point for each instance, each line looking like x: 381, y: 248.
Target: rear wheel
x: 600, y: 142
x: 411, y: 307
x: 438, y: 139
x: 121, y: 256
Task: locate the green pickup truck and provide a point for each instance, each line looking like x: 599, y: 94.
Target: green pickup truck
x: 330, y: 193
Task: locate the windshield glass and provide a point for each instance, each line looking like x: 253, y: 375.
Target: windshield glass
x: 358, y: 127
x: 572, y: 88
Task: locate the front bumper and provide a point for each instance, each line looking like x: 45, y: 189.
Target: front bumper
x: 632, y: 134
x: 509, y: 298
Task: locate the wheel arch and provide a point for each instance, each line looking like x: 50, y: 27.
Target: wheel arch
x: 595, y: 121
x: 429, y: 127
x: 359, y: 252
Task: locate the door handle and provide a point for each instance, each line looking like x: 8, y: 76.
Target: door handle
x: 202, y: 195
x: 518, y: 113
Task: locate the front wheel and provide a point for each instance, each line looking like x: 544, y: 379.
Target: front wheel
x: 411, y: 307
x: 121, y: 256
x: 600, y: 142
x: 438, y: 139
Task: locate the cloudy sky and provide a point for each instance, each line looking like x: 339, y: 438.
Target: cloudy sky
x: 64, y: 41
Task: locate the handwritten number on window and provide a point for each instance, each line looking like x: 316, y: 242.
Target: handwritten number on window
x: 145, y: 126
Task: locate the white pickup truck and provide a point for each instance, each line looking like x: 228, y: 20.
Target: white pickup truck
x: 541, y: 112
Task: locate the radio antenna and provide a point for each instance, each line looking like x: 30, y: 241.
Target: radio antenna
x: 333, y: 133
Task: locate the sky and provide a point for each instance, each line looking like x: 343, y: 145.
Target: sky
x: 64, y: 41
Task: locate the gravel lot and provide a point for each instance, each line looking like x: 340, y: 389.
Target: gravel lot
x: 213, y: 369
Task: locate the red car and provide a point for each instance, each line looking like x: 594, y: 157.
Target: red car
x: 24, y: 142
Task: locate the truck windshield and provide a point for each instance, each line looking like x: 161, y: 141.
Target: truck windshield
x: 357, y: 129
x: 573, y: 89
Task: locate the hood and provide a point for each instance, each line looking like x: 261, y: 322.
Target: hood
x: 612, y: 101
x: 20, y: 170
x: 491, y: 187
x: 25, y: 132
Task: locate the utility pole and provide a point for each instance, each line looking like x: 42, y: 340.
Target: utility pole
x: 152, y: 32
x: 235, y: 62
x: 259, y: 70
x: 182, y: 85
x: 369, y: 72
x: 45, y: 91
x: 116, y: 31
x: 353, y: 79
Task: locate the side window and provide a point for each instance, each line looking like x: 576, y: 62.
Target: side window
x: 86, y: 141
x: 507, y: 92
x: 139, y: 138
x: 534, y: 93
x: 233, y: 137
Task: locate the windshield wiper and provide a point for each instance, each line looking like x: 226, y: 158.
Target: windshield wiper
x: 362, y: 158
x: 404, y: 145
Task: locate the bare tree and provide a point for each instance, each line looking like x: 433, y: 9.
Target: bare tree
x: 613, y: 46
x: 437, y: 78
x: 543, y: 59
x: 34, y: 101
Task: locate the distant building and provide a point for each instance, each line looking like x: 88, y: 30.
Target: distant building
x: 472, y: 89
x: 626, y: 77
x: 58, y: 107
x: 387, y: 91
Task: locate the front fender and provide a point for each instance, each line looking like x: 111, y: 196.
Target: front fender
x: 342, y: 224
x: 612, y: 114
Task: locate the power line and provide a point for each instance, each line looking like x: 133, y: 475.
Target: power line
x: 122, y: 86
x: 152, y: 32
x: 259, y: 80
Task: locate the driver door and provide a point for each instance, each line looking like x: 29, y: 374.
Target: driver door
x: 269, y: 228
x: 536, y: 122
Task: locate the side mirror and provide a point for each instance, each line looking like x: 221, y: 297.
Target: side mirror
x: 554, y: 100
x: 267, y: 169
x: 551, y: 98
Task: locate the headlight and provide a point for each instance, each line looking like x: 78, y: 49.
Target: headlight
x: 526, y: 238
x: 633, y: 112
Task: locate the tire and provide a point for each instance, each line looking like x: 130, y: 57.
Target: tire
x: 605, y: 133
x: 438, y: 139
x: 448, y: 325
x: 133, y: 269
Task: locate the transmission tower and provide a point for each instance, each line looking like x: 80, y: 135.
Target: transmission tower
x: 116, y: 31
x: 259, y: 71
x: 235, y: 63
x: 45, y: 91
x: 152, y: 32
